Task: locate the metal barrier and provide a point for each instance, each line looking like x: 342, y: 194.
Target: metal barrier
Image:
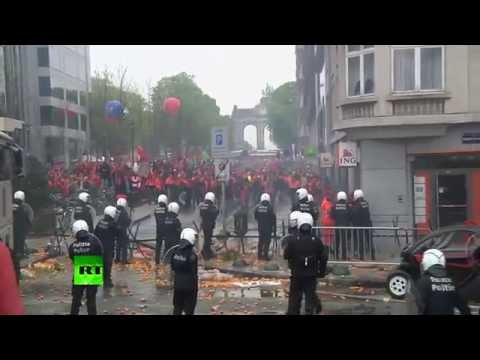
x: 366, y: 243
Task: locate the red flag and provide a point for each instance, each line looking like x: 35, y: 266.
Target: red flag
x: 142, y: 154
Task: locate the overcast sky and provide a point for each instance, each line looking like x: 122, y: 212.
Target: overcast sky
x: 231, y: 74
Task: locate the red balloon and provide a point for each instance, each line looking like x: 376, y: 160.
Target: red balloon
x: 172, y: 105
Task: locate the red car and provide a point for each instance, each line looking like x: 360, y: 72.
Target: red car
x: 461, y: 246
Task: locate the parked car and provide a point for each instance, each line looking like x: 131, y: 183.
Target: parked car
x: 461, y: 246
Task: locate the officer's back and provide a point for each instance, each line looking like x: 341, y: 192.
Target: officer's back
x: 208, y: 213
x: 264, y: 214
x: 303, y: 254
x: 85, y: 244
x: 160, y: 213
x: 82, y: 210
x: 360, y: 211
x: 106, y: 231
x: 341, y: 212
x: 184, y: 264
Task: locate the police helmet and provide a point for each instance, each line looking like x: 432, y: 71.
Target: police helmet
x: 174, y: 207
x: 84, y: 197
x: 79, y: 225
x: 210, y: 196
x: 110, y: 211
x: 265, y: 197
x: 342, y: 195
x: 122, y: 202
x: 162, y: 199
x: 357, y: 194
x: 189, y: 235
x: 302, y: 193
x: 432, y: 257
x: 19, y: 195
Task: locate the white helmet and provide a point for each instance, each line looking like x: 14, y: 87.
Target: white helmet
x: 302, y: 194
x: 265, y: 197
x: 190, y: 235
x: 357, y: 194
x: 432, y: 257
x: 310, y: 197
x: 110, y: 211
x: 84, y: 197
x: 210, y: 196
x: 342, y: 195
x: 122, y: 202
x: 79, y: 225
x: 304, y: 219
x: 19, y: 195
x: 293, y: 219
x: 174, y: 207
x: 162, y: 199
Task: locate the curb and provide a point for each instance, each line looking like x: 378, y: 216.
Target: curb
x: 359, y: 281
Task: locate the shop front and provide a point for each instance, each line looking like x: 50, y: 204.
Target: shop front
x: 446, y: 189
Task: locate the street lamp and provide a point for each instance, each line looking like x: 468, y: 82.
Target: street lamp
x: 131, y: 125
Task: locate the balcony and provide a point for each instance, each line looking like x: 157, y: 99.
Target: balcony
x: 358, y: 110
x: 428, y: 106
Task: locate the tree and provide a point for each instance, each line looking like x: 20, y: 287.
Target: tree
x: 282, y: 114
x: 198, y: 114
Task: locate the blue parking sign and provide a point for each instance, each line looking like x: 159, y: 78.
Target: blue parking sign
x: 219, y: 140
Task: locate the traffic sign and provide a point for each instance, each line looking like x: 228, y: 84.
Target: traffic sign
x: 220, y: 142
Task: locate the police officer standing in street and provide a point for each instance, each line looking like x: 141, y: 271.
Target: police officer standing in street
x: 84, y: 211
x: 160, y: 213
x: 292, y: 228
x: 341, y: 215
x: 208, y: 213
x: 22, y: 223
x: 123, y: 222
x: 303, y: 204
x: 266, y: 220
x: 361, y: 218
x: 107, y: 232
x: 184, y: 264
x: 435, y: 292
x: 307, y: 261
x: 173, y: 227
x: 85, y: 244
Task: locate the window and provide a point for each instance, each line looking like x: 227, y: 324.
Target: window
x: 83, y: 98
x: 72, y: 120
x: 83, y: 120
x: 58, y: 92
x: 51, y: 116
x: 44, y: 88
x: 72, y: 96
x: 418, y: 68
x: 43, y: 57
x: 360, y: 70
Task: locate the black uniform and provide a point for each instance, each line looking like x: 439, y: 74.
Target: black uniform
x: 315, y: 212
x: 107, y: 231
x: 360, y: 213
x: 184, y: 265
x: 307, y: 260
x: 208, y: 213
x: 436, y: 294
x: 173, y: 229
x: 86, y: 244
x: 266, y: 220
x: 160, y: 212
x: 82, y: 212
x: 123, y: 222
x: 22, y: 223
x: 305, y: 206
x: 342, y: 216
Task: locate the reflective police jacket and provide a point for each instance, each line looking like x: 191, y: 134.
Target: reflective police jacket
x: 265, y: 216
x: 341, y: 213
x: 184, y: 264
x: 106, y: 230
x: 306, y: 256
x: 160, y: 212
x: 435, y: 294
x: 208, y: 213
x: 82, y: 212
x: 360, y: 213
x: 86, y: 244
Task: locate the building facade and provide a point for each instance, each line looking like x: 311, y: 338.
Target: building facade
x: 404, y: 125
x: 56, y: 82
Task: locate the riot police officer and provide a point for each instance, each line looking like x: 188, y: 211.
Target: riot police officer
x: 184, y: 265
x: 292, y: 228
x: 361, y: 218
x: 173, y: 226
x: 266, y: 219
x: 307, y: 261
x: 85, y: 244
x: 107, y: 232
x: 208, y: 213
x: 435, y: 292
x: 160, y: 212
x: 302, y: 204
x: 341, y: 215
x: 22, y: 222
x: 83, y: 211
x: 123, y: 222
